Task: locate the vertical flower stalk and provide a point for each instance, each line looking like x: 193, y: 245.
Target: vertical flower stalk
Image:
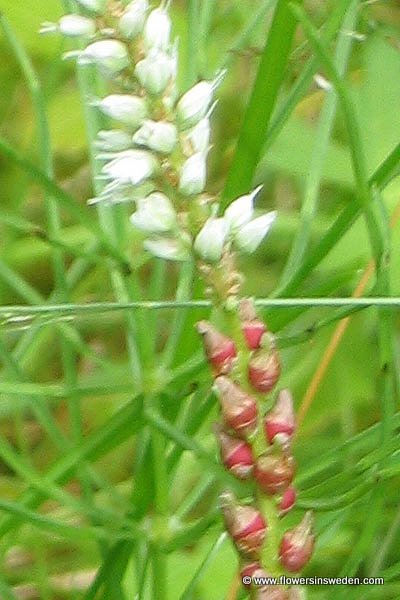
x: 152, y: 153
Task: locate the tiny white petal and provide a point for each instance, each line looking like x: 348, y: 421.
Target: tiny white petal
x: 209, y: 243
x: 240, y: 211
x: 155, y: 214
x: 129, y: 110
x: 159, y: 136
x: 76, y: 26
x: 199, y: 135
x: 132, y: 21
x: 168, y: 249
x: 249, y: 237
x: 157, y: 30
x: 193, y: 175
x: 131, y: 166
x: 154, y: 72
x: 110, y: 56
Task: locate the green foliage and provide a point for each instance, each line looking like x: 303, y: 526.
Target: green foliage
x: 109, y: 469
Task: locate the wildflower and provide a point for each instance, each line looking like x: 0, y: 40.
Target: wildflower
x: 252, y: 327
x: 131, y: 23
x: 112, y: 140
x: 246, y: 526
x: 96, y: 6
x: 210, y: 240
x: 159, y: 136
x: 274, y: 471
x: 194, y: 104
x: 287, y: 501
x: 239, y: 409
x: 131, y: 166
x: 281, y: 419
x: 241, y: 210
x: 264, y: 368
x: 155, y: 71
x: 193, y: 175
x: 126, y: 109
x: 169, y: 249
x: 157, y: 30
x: 71, y: 26
x: 110, y: 56
x: 155, y: 214
x: 250, y: 235
x: 219, y: 349
x: 297, y: 545
x: 236, y: 454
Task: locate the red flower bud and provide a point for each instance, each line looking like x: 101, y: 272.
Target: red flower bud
x: 287, y: 501
x: 239, y: 409
x: 275, y: 471
x: 297, y: 545
x: 280, y: 420
x: 265, y: 591
x: 247, y: 571
x: 236, y: 454
x: 245, y: 525
x: 264, y: 368
x: 220, y: 350
x: 253, y: 328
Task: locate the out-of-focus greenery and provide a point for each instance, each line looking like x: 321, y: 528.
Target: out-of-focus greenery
x: 37, y: 560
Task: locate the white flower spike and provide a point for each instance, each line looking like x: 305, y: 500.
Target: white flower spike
x: 155, y: 214
x: 240, y: 211
x: 209, y: 243
x: 250, y: 236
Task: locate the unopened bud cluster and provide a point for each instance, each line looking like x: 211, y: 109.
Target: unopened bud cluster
x: 242, y: 426
x: 153, y: 148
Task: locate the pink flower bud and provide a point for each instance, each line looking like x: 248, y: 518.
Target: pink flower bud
x: 297, y: 545
x: 245, y: 525
x: 239, y: 409
x: 220, y: 350
x: 287, y: 501
x: 264, y: 368
x: 236, y: 454
x: 265, y: 591
x: 281, y: 419
x: 275, y: 471
x: 247, y: 571
x: 253, y: 328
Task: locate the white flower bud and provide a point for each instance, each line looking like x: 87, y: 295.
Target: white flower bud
x: 110, y: 56
x: 195, y: 103
x: 159, y: 136
x: 154, y: 72
x: 193, y: 175
x: 209, y: 243
x: 199, y: 136
x: 155, y: 214
x: 129, y: 110
x: 167, y: 248
x: 112, y: 140
x: 249, y: 237
x: 131, y: 166
x: 71, y: 26
x: 157, y: 30
x: 132, y: 21
x: 96, y: 6
x: 240, y: 211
